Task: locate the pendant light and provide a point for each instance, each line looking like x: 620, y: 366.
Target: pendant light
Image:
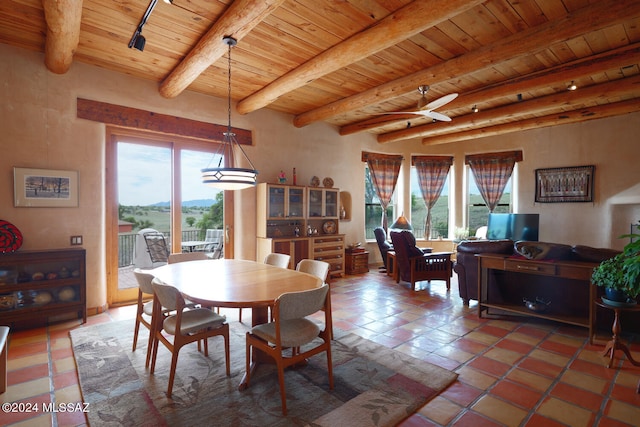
x: 229, y: 178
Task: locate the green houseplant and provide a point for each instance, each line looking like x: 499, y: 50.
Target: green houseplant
x: 622, y: 272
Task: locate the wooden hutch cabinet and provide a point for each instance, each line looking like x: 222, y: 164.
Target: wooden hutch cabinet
x: 301, y: 222
x: 37, y: 286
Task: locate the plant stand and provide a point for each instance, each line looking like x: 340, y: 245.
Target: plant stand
x: 615, y: 344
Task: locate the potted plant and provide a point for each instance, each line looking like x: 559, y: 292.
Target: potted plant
x: 620, y: 275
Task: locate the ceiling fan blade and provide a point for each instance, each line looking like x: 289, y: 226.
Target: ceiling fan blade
x: 441, y: 101
x: 437, y: 116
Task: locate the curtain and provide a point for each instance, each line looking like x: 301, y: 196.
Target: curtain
x: 384, y: 170
x: 432, y: 174
x: 492, y: 171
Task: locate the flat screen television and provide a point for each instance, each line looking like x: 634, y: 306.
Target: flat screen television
x: 513, y: 226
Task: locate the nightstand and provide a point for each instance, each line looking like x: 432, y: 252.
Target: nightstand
x: 357, y: 262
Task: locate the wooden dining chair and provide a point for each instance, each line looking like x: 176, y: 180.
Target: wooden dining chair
x: 144, y: 310
x: 320, y: 269
x: 185, y: 324
x: 187, y: 256
x: 277, y: 260
x: 292, y: 329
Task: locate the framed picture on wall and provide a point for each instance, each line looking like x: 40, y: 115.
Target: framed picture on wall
x: 45, y: 188
x: 569, y: 184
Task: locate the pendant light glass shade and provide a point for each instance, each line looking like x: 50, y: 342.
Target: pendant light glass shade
x: 230, y: 177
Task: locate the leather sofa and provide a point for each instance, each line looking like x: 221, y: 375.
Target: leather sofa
x: 466, y: 265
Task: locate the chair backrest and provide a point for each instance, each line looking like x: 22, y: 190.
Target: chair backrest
x: 168, y: 296
x: 187, y: 256
x: 144, y: 280
x: 317, y: 268
x: 156, y: 246
x: 213, y: 235
x: 404, y: 245
x: 383, y: 244
x: 279, y: 260
x: 296, y: 305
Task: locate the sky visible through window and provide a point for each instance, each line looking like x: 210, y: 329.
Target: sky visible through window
x: 144, y: 174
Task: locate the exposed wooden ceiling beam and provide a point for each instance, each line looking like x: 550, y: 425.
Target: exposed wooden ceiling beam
x: 400, y: 25
x: 524, y: 43
x: 237, y: 21
x: 567, y: 101
x: 555, y: 76
x: 63, y: 19
x: 576, y: 116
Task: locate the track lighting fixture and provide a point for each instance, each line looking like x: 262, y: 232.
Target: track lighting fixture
x: 474, y: 109
x: 138, y: 41
x: 572, y: 86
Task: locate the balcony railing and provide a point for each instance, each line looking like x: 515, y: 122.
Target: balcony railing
x: 127, y: 243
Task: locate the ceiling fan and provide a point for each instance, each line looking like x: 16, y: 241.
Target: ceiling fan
x: 426, y: 109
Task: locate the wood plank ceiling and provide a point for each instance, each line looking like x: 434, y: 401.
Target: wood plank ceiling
x: 346, y: 61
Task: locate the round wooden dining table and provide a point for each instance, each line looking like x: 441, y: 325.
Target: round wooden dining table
x: 236, y: 284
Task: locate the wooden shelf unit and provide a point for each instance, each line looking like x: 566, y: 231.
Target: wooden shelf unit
x: 283, y: 211
x: 61, y: 292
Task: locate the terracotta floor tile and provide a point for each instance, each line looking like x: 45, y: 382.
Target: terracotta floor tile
x: 28, y: 374
x: 26, y: 349
x: 577, y: 396
x: 469, y: 346
x: 520, y: 347
x: 493, y: 330
x: 595, y: 369
x: 499, y: 410
x: 503, y: 355
x: 623, y: 412
x: 585, y: 381
x: 461, y: 393
x: 65, y: 379
x: 490, y: 366
x: 538, y: 420
x: 517, y: 394
x: 440, y: 410
x: 530, y: 379
x: 540, y: 367
x: 559, y: 348
x: 476, y: 378
x: 471, y: 419
x: 549, y: 357
x: 566, y: 413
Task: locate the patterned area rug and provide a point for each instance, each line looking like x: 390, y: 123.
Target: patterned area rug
x: 374, y: 386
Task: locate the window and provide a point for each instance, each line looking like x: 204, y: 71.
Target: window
x: 439, y: 212
x: 372, y: 209
x: 478, y: 212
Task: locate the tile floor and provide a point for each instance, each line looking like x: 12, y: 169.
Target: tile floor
x: 511, y: 373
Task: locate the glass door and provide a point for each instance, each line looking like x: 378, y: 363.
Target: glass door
x: 154, y: 186
x: 144, y: 211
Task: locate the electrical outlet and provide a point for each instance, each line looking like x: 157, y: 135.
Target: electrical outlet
x: 76, y: 240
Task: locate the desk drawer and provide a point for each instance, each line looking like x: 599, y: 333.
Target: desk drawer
x: 545, y: 268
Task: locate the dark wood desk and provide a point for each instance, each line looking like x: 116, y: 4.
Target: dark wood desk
x: 235, y: 284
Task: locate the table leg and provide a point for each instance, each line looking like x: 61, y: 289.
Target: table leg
x: 615, y: 343
x: 259, y: 315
